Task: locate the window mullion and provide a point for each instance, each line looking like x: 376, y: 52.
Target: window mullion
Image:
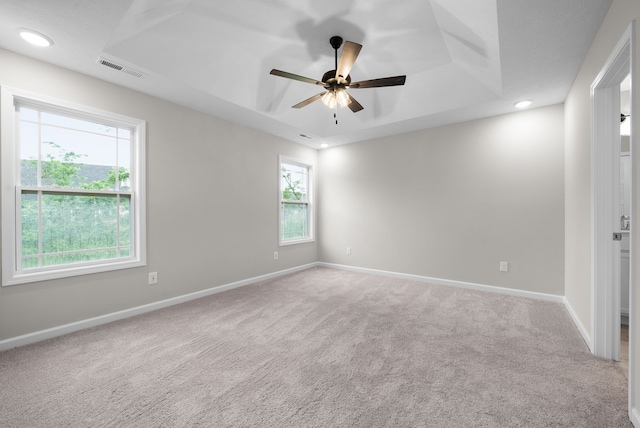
x: 117, y: 222
x: 117, y: 171
x: 40, y: 232
x: 69, y: 191
x: 18, y: 243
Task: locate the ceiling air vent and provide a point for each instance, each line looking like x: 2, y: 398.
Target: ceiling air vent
x: 120, y: 68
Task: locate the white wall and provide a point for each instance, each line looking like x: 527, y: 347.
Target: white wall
x: 452, y: 202
x: 212, y: 212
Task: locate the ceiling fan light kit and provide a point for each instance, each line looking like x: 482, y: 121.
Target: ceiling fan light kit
x: 337, y: 81
x: 337, y: 97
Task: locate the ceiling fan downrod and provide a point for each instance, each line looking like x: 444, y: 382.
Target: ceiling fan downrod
x: 336, y: 42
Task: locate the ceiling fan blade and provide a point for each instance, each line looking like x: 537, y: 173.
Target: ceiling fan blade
x: 309, y: 100
x: 348, y: 57
x: 378, y: 83
x: 296, y: 77
x: 354, y: 105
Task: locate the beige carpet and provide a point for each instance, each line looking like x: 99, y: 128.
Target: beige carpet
x: 321, y: 348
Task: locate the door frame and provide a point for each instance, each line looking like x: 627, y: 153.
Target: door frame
x: 605, y: 204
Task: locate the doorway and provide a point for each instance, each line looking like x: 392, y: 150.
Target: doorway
x: 625, y: 218
x: 607, y: 213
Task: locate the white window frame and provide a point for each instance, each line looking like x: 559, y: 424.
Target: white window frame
x: 310, y: 204
x: 9, y: 150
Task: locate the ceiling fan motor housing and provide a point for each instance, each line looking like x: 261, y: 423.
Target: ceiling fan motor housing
x: 331, y: 74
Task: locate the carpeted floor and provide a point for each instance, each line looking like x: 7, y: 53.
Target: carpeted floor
x: 321, y: 348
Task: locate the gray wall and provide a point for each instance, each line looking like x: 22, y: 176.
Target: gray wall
x: 212, y: 212
x: 452, y: 202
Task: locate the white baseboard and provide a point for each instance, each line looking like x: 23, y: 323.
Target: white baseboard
x: 451, y: 283
x: 583, y: 331
x: 634, y: 415
x: 49, y: 333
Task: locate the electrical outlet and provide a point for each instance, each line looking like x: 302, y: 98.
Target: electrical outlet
x: 504, y: 266
x: 153, y: 277
x: 348, y: 250
x: 275, y: 255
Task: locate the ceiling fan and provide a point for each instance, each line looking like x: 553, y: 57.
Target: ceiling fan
x: 336, y: 82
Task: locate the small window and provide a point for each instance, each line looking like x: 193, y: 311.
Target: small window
x: 73, y: 199
x: 296, y: 201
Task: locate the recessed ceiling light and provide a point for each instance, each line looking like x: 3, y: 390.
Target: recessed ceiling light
x: 523, y: 104
x: 36, y: 38
x: 324, y: 145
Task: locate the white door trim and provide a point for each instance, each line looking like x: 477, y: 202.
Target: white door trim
x: 605, y: 208
x: 605, y: 189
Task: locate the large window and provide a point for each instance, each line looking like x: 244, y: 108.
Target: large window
x: 72, y: 189
x: 296, y: 197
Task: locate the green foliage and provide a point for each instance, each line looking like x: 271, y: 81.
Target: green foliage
x: 56, y: 172
x: 110, y: 181
x: 69, y: 228
x: 293, y: 190
x: 294, y: 221
x: 294, y: 217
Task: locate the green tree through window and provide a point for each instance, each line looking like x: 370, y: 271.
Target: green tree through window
x: 61, y: 222
x: 295, y: 212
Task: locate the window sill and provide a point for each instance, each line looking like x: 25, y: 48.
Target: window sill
x: 296, y: 241
x: 24, y: 278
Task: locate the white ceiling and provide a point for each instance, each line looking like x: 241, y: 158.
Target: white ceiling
x: 464, y: 59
